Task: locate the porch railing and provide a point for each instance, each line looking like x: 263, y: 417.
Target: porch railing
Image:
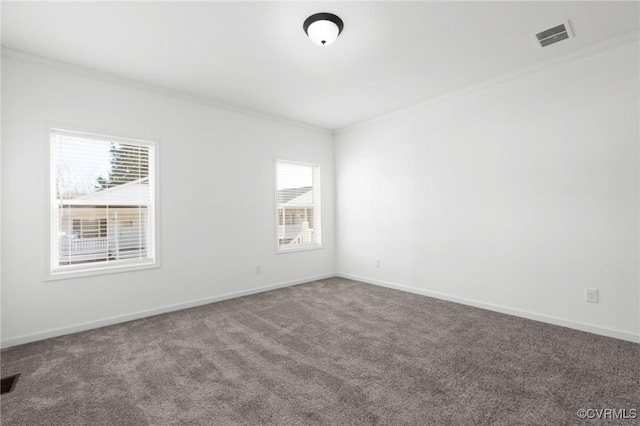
x: 72, y: 247
x: 93, y: 249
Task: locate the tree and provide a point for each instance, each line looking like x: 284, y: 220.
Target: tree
x: 73, y: 182
x: 127, y: 164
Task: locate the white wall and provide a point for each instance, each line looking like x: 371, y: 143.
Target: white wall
x: 216, y: 200
x: 514, y: 197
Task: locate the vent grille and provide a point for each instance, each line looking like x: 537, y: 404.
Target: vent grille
x: 8, y: 383
x: 554, y: 35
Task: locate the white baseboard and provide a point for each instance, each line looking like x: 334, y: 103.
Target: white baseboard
x: 590, y: 328
x: 28, y: 338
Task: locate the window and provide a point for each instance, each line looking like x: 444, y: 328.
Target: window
x: 102, y: 203
x: 298, y: 206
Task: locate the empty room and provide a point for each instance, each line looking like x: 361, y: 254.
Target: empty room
x: 339, y: 213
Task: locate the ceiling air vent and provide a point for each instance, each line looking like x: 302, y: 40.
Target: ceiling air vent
x: 554, y: 35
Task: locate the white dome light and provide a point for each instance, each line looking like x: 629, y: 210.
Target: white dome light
x: 323, y: 28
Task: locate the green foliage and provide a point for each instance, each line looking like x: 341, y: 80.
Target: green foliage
x: 128, y: 163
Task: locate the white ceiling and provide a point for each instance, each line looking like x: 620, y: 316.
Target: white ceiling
x: 256, y: 56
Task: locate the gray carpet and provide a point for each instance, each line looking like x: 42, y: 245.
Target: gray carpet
x: 328, y: 352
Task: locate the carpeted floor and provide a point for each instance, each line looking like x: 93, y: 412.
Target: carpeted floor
x: 328, y: 352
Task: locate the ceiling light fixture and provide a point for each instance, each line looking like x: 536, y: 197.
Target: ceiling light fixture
x: 323, y: 28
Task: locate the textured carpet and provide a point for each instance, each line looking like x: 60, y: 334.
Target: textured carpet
x: 328, y: 352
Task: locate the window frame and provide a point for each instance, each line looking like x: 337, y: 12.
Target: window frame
x: 54, y: 273
x: 317, y: 209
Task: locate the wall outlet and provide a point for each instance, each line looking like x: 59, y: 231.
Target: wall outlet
x: 258, y: 269
x: 377, y: 263
x: 591, y: 295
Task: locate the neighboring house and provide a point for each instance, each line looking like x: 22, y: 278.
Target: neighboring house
x: 109, y: 224
x: 295, y: 215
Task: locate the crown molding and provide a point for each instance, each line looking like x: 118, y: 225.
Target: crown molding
x: 521, y: 72
x: 17, y: 55
x: 622, y: 39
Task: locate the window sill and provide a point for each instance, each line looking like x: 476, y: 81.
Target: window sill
x: 101, y: 270
x: 293, y: 250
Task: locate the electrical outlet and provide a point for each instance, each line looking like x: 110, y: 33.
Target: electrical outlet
x: 591, y: 295
x: 377, y: 263
x: 258, y: 269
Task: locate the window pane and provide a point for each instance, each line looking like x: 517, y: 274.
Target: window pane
x: 102, y: 201
x: 298, y: 205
